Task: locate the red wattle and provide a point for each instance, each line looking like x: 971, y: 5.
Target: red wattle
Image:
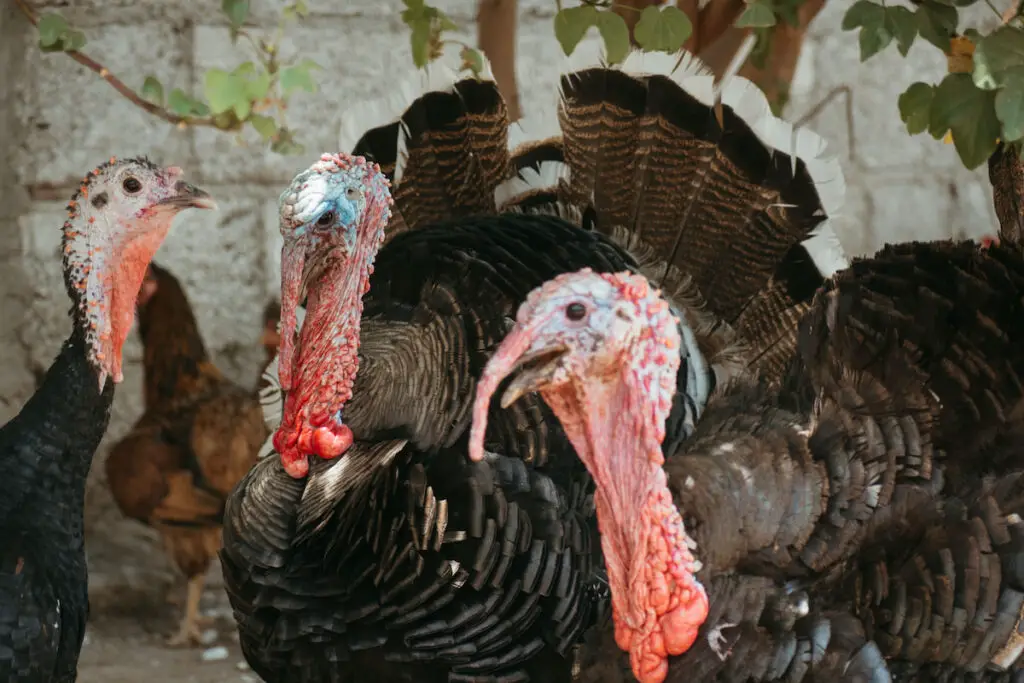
x: 331, y: 440
x: 667, y: 604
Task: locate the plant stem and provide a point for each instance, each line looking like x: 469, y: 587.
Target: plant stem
x: 119, y: 85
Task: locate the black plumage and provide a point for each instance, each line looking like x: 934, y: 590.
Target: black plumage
x: 45, y: 454
x: 881, y: 478
x: 47, y: 449
x: 400, y: 560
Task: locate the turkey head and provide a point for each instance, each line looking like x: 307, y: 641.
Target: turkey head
x: 116, y: 221
x: 332, y: 219
x: 603, y: 350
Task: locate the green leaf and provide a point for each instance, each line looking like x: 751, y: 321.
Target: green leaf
x: 264, y: 125
x: 937, y: 23
x: 415, y: 4
x: 473, y: 60
x: 284, y: 143
x: 237, y: 11
x: 572, y: 23
x: 225, y: 120
x: 864, y: 14
x: 51, y: 28
x: 445, y: 24
x: 258, y: 87
x: 874, y: 35
x: 74, y: 40
x: 245, y: 70
x: 902, y: 24
x: 153, y: 91
x: 999, y: 56
x: 183, y: 105
x: 915, y: 107
x: 757, y: 15
x: 872, y: 41
x: 419, y: 41
x: 242, y: 109
x: 970, y: 114
x: 662, y: 30
x: 1010, y: 108
x: 223, y: 90
x: 616, y: 36
x: 788, y: 11
x: 297, y: 77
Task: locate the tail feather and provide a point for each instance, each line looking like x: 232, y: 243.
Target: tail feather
x: 738, y: 203
x: 445, y: 154
x: 730, y: 198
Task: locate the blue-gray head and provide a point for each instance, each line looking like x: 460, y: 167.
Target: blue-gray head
x: 332, y: 218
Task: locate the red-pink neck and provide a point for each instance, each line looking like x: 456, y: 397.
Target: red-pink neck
x: 658, y: 604
x: 324, y: 369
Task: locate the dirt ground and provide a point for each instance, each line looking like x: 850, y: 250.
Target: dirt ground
x: 131, y: 586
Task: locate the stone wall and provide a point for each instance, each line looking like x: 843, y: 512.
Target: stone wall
x: 60, y: 120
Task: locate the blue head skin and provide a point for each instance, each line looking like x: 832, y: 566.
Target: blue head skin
x: 333, y: 217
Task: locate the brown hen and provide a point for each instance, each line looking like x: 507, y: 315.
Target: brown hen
x: 199, y: 435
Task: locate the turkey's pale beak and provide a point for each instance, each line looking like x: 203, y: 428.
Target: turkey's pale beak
x: 188, y: 196
x: 532, y: 372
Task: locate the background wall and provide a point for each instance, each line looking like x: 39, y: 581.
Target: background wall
x: 59, y: 120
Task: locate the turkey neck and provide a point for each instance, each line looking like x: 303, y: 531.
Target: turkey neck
x: 657, y: 602
x: 48, y: 447
x: 324, y: 369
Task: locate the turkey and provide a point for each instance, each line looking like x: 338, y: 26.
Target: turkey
x: 392, y: 557
x: 116, y: 221
x: 903, y: 358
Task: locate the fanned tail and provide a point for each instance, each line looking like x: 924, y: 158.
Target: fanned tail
x: 445, y: 148
x: 737, y: 210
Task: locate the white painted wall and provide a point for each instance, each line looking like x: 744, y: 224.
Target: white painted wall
x: 59, y: 120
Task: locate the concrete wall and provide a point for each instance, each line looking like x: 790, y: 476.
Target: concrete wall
x: 59, y: 120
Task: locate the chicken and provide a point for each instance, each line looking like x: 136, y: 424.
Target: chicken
x: 366, y: 547
x: 908, y: 363
x: 270, y: 338
x: 197, y: 438
x: 116, y: 221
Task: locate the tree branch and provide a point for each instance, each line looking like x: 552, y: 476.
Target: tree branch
x: 496, y: 35
x: 119, y: 85
x: 785, y: 47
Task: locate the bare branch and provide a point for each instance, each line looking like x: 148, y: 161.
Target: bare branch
x: 119, y: 85
x: 496, y: 35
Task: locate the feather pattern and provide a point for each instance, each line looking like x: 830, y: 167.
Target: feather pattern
x: 415, y: 588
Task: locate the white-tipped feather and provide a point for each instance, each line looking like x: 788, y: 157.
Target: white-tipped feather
x: 750, y: 104
x: 826, y: 250
x: 440, y: 75
x: 541, y: 125
x: 529, y: 180
x: 685, y: 69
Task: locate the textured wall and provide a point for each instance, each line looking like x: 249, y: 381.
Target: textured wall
x: 59, y: 120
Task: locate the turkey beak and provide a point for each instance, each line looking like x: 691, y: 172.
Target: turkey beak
x: 533, y: 371
x: 188, y: 196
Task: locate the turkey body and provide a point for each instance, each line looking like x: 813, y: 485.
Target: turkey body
x: 400, y: 560
x: 45, y: 453
x: 478, y: 567
x: 878, y: 486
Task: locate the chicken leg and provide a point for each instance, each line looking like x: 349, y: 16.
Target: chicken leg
x: 188, y: 631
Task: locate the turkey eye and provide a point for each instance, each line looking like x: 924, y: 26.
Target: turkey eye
x: 575, y: 311
x: 351, y: 193
x: 325, y: 219
x: 131, y: 185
